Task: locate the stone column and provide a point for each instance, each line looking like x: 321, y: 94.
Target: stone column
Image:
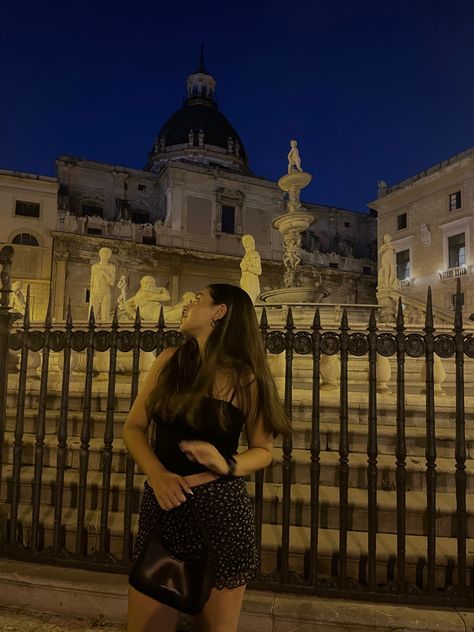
x: 59, y: 284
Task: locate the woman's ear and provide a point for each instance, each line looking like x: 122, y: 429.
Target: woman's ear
x: 221, y: 311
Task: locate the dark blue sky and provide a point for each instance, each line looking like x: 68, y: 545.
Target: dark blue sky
x: 371, y: 90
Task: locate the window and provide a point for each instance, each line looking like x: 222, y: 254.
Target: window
x: 366, y: 270
x: 27, y: 209
x: 88, y: 296
x: 94, y: 231
x: 140, y: 217
x: 334, y: 265
x: 347, y: 224
x: 453, y: 298
x: 91, y: 209
x: 228, y: 219
x: 457, y: 250
x: 141, y: 187
x: 402, y: 221
x: 455, y: 201
x: 403, y: 265
x: 25, y: 239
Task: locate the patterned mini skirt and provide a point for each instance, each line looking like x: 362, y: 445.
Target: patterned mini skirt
x: 226, y: 510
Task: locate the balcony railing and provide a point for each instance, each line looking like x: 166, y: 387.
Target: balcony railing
x: 453, y: 273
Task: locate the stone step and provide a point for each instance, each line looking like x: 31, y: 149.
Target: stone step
x: 272, y: 506
x: 415, y: 471
x: 358, y: 411
x: 300, y: 471
x: 299, y: 546
x: 329, y: 433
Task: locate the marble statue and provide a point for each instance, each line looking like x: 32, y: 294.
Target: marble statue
x: 237, y: 148
x: 201, y: 138
x: 387, y: 276
x: 148, y: 298
x: 102, y: 282
x: 251, y: 268
x: 17, y: 298
x: 294, y: 159
x: 191, y: 138
x: 173, y: 313
x: 230, y: 145
x: 122, y: 286
x: 382, y: 187
x: 425, y: 235
x: 294, y: 203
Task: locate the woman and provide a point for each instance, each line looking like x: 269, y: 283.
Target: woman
x: 200, y: 395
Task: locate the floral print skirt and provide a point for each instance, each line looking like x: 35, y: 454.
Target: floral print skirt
x: 226, y: 510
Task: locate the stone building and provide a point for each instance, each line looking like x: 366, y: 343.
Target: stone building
x: 187, y: 210
x: 430, y: 220
x: 28, y: 212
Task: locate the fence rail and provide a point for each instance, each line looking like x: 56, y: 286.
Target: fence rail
x: 62, y: 381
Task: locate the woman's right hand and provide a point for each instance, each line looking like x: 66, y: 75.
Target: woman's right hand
x: 169, y: 489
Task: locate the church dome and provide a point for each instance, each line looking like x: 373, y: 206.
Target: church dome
x: 198, y: 115
x: 198, y: 132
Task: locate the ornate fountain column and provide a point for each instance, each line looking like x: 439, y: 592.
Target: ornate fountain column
x: 291, y: 226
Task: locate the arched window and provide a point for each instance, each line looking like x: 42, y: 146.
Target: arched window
x: 25, y: 239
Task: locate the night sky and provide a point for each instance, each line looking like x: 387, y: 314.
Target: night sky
x: 371, y: 90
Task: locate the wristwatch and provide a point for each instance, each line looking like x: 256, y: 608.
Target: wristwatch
x: 231, y: 462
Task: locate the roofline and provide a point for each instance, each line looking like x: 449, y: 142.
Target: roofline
x: 467, y: 153
x: 25, y: 174
x: 104, y: 165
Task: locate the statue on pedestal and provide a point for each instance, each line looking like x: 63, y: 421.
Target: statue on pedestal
x: 102, y: 282
x: 294, y: 159
x: 148, y: 298
x: 17, y: 298
x: 122, y: 286
x: 387, y: 276
x: 251, y: 268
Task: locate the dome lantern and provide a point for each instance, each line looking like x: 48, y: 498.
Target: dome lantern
x: 200, y: 84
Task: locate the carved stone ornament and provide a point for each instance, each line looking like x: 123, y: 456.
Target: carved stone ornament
x: 425, y: 235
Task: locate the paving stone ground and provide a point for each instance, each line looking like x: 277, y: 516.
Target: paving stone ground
x: 21, y: 620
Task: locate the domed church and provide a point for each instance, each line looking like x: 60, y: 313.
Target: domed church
x: 199, y: 132
x: 180, y: 219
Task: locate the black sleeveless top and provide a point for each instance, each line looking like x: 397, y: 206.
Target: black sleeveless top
x: 225, y: 437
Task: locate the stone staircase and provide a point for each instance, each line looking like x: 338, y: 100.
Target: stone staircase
x: 300, y: 473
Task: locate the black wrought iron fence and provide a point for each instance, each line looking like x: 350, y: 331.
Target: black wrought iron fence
x: 423, y: 568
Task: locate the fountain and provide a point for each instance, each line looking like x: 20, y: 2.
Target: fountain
x: 302, y: 283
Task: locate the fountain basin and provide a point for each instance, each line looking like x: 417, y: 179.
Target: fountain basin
x: 285, y: 295
x: 300, y: 179
x: 293, y: 221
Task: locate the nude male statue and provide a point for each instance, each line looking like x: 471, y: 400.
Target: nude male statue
x: 294, y: 159
x: 102, y: 282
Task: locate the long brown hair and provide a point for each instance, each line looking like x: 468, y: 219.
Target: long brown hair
x: 235, y: 347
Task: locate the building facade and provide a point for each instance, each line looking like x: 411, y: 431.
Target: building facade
x: 28, y: 211
x: 184, y: 214
x: 430, y: 218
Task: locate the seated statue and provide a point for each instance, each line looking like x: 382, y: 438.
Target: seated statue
x: 17, y: 298
x: 173, y: 313
x: 148, y: 298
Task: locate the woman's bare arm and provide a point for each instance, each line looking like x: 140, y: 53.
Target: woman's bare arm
x: 166, y: 485
x: 256, y: 457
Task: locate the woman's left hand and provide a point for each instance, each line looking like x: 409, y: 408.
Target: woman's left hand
x: 206, y: 454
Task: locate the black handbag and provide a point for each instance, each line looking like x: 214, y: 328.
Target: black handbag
x: 183, y: 585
